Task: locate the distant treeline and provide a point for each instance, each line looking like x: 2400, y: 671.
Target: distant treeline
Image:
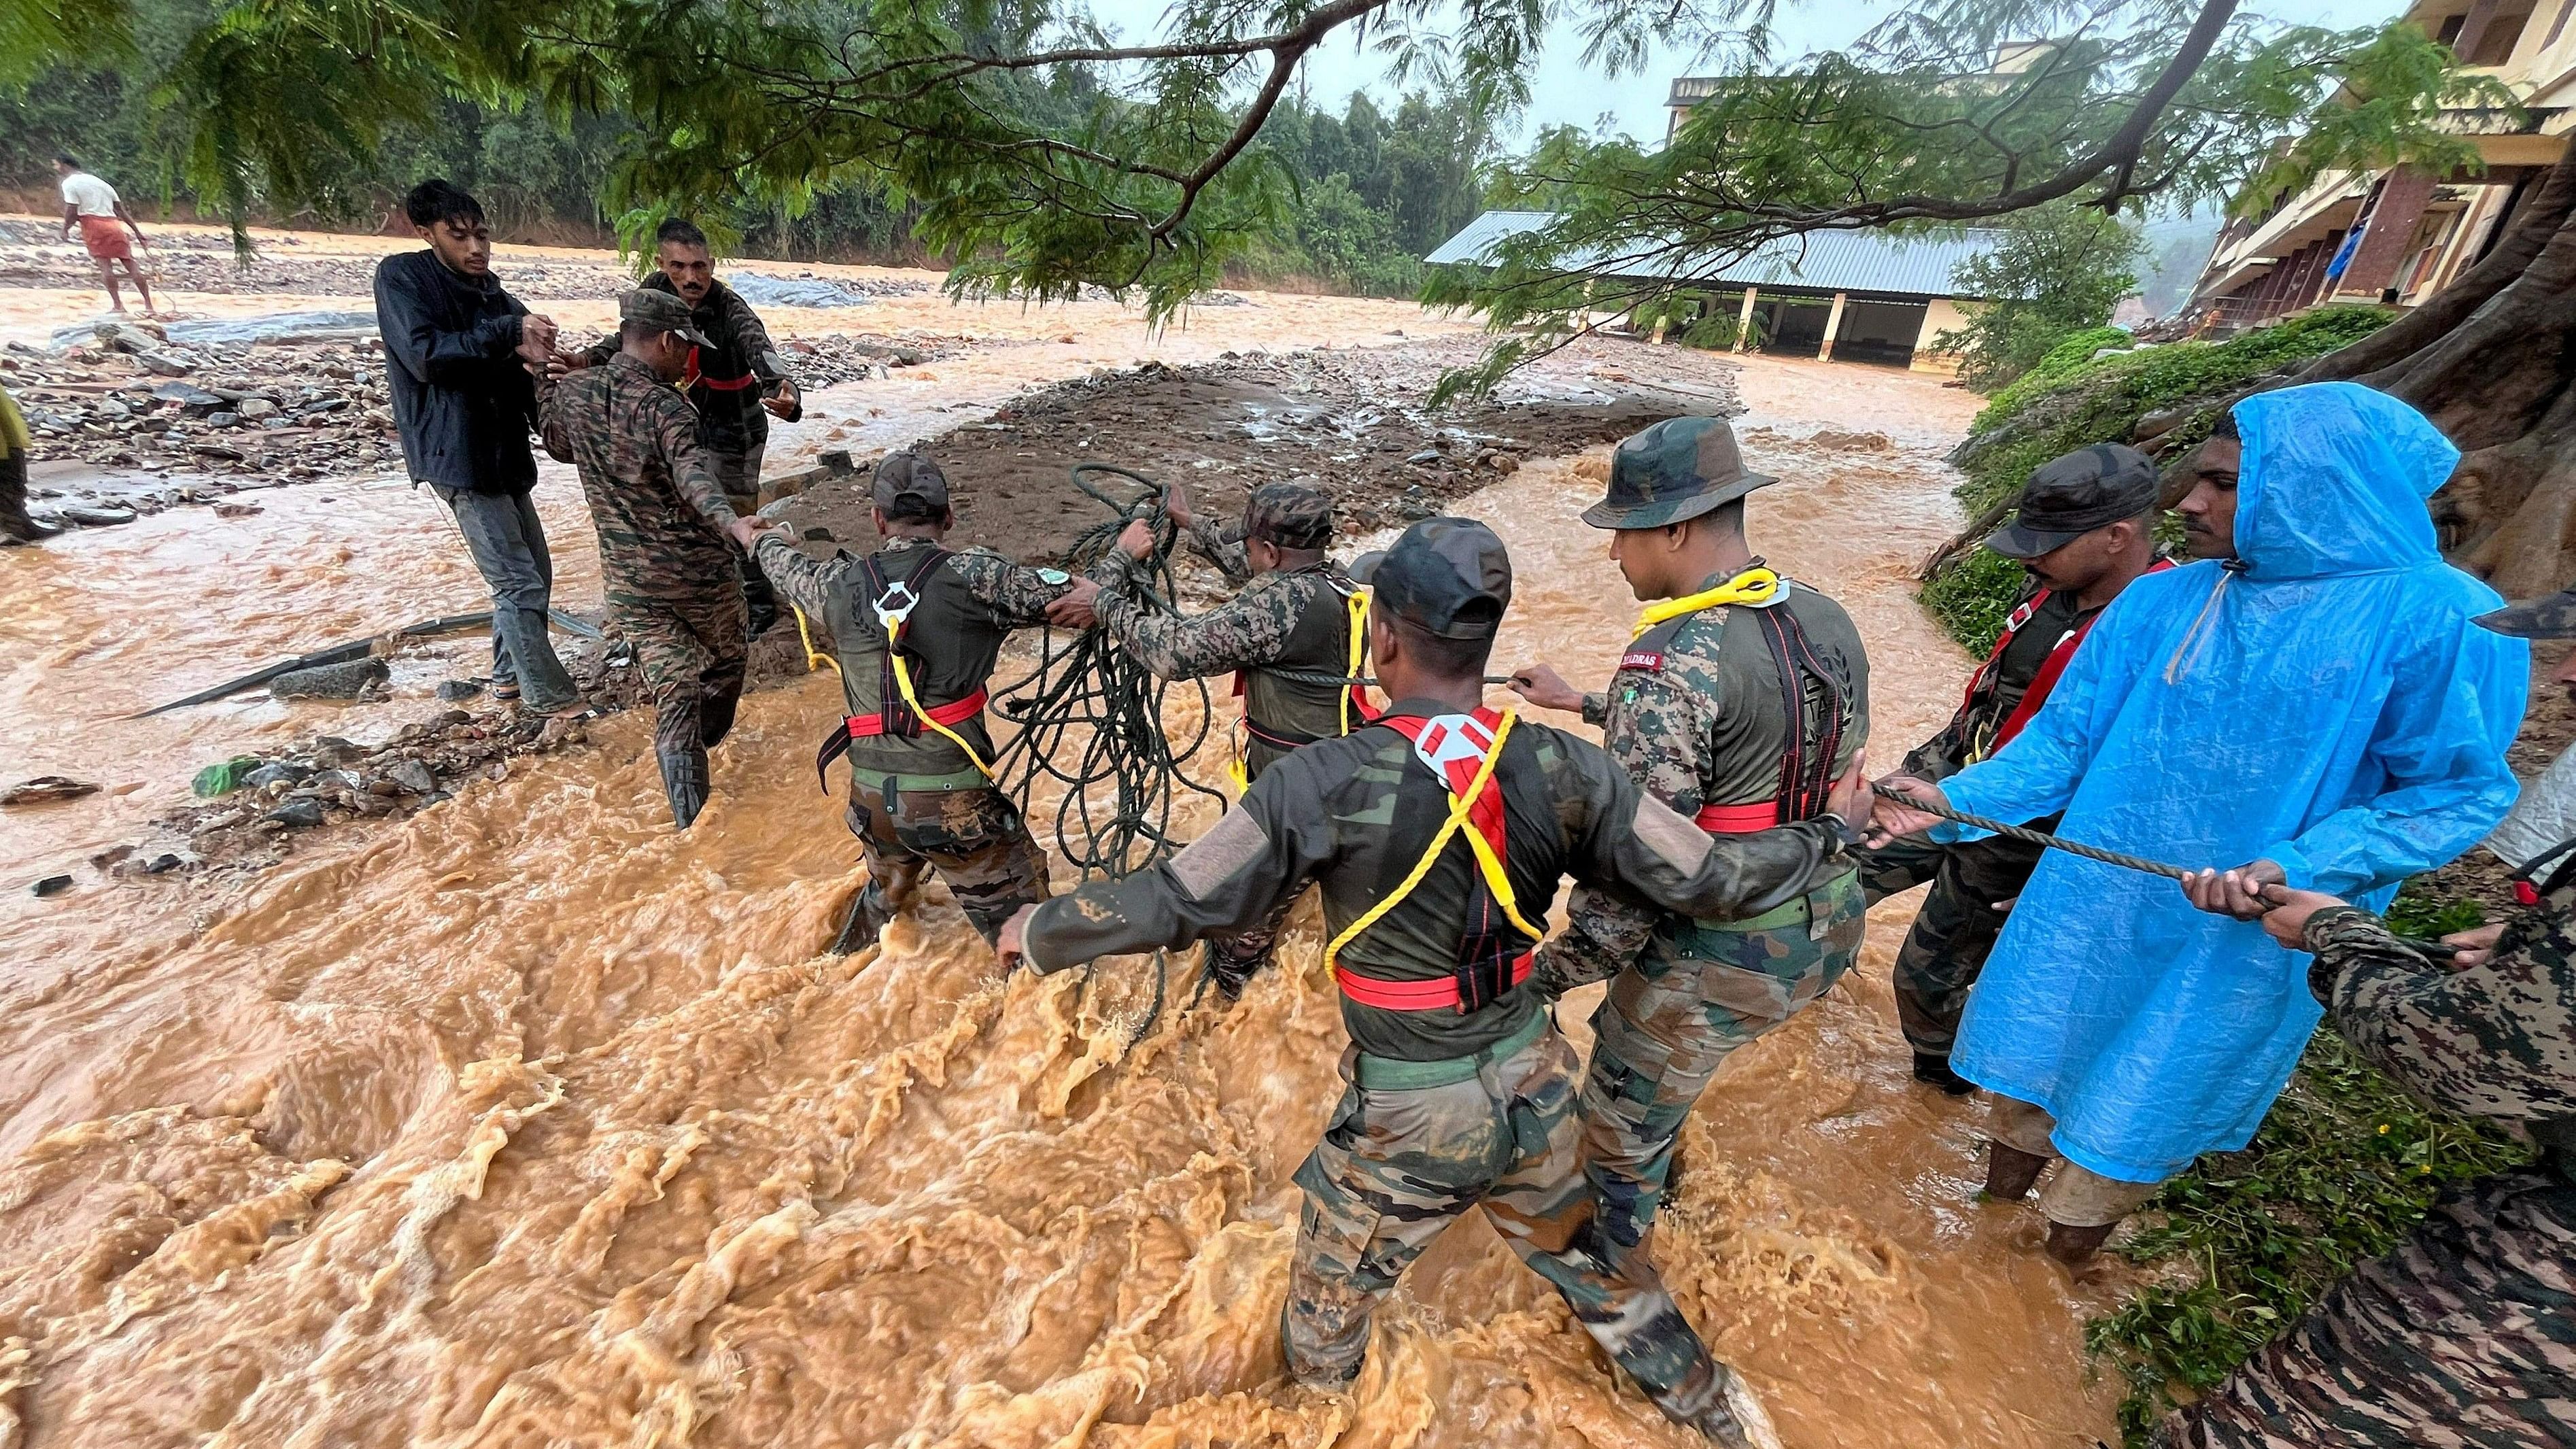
x: 1376, y: 191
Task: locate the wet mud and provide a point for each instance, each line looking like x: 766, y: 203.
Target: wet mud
x: 524, y: 1121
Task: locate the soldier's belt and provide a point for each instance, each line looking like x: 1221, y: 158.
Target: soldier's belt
x: 1390, y: 1074
x: 891, y: 781
x: 1800, y: 911
x: 1745, y: 819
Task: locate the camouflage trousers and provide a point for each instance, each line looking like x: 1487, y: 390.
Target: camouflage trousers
x: 1397, y: 1165
x: 1696, y: 993
x: 2464, y: 1335
x: 738, y: 474
x: 1955, y: 931
x: 691, y: 648
x: 973, y: 836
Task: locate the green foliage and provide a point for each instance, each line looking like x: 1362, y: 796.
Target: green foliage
x: 2053, y: 411
x: 2077, y: 348
x: 2054, y: 271
x: 2342, y: 1168
x: 1910, y: 131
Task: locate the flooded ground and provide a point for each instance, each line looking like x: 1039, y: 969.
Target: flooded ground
x: 527, y: 1122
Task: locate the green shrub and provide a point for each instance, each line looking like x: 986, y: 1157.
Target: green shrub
x: 2096, y: 400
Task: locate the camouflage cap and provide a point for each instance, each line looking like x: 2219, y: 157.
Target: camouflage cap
x: 2551, y: 618
x: 1452, y: 576
x: 1290, y: 515
x: 909, y: 475
x: 661, y: 311
x: 2068, y: 497
x: 1679, y: 468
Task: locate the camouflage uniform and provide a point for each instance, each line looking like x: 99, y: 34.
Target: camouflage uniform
x: 667, y: 568
x: 726, y: 381
x: 1699, y: 717
x: 2465, y: 1334
x: 917, y: 801
x: 1290, y: 618
x: 1447, y: 1109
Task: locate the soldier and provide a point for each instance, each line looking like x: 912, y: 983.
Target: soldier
x: 1740, y: 700
x: 16, y: 524
x: 2462, y: 1333
x: 1296, y: 613
x: 1437, y: 836
x: 670, y: 577
x: 915, y: 630
x: 734, y: 378
x: 2085, y: 529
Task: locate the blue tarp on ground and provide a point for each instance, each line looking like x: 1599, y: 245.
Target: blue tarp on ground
x: 2329, y: 707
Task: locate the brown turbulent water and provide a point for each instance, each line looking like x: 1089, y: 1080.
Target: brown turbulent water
x: 526, y: 1122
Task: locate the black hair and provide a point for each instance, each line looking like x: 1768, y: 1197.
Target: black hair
x: 1448, y: 658
x: 439, y: 199
x: 673, y: 229
x: 913, y: 508
x: 65, y: 158
x: 1727, y: 517
x: 2225, y: 427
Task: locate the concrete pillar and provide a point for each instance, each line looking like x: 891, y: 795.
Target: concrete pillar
x: 2473, y: 29
x: 1833, y: 324
x: 1744, y: 317
x: 2390, y: 236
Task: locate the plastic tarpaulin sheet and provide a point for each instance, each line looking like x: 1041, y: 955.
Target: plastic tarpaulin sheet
x: 2326, y: 704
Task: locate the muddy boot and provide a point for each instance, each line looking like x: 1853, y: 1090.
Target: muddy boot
x: 16, y: 524
x: 1934, y: 1071
x: 2010, y: 1172
x: 868, y: 916
x: 685, y: 781
x: 2075, y: 1246
x: 1722, y: 1407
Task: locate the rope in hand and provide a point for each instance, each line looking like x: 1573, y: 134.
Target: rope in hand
x: 1091, y: 719
x: 2437, y: 951
x: 2036, y: 837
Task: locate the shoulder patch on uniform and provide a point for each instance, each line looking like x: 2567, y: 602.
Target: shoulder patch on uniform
x: 1054, y: 576
x: 1214, y: 858
x: 1649, y: 660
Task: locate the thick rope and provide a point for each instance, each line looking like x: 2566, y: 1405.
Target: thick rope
x: 2038, y: 837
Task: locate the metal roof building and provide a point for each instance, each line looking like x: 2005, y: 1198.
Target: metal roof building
x: 1865, y: 296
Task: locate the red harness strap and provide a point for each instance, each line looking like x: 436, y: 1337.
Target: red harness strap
x: 1459, y: 753
x: 691, y: 377
x: 1746, y: 819
x: 862, y: 726
x: 2050, y: 668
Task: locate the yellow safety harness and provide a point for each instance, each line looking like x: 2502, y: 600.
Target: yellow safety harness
x: 1756, y: 585
x: 892, y: 618
x: 805, y: 633
x: 1357, y: 606
x: 1496, y: 878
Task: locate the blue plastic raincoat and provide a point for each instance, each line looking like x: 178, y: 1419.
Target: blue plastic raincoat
x: 2328, y: 706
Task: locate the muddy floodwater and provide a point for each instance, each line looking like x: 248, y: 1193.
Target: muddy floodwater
x: 527, y: 1122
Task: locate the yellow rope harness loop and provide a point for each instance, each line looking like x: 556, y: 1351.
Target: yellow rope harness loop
x: 893, y: 619
x: 813, y: 656
x: 1495, y: 878
x: 1755, y: 585
x: 1358, y: 604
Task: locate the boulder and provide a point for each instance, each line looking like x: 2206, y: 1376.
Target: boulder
x: 330, y: 681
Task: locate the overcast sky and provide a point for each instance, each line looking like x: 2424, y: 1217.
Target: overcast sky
x: 1565, y: 92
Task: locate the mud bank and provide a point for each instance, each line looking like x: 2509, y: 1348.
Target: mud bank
x: 525, y: 1121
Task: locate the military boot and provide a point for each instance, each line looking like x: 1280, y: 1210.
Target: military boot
x: 869, y: 913
x: 16, y: 524
x: 685, y: 780
x: 2010, y: 1172
x: 1722, y: 1407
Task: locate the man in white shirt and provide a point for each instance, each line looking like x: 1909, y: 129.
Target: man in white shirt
x: 100, y: 213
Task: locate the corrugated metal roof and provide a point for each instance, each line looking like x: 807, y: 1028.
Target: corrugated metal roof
x: 1830, y: 261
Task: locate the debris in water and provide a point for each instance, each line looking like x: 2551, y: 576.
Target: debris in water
x: 45, y: 790
x: 331, y: 681
x: 225, y: 778
x: 53, y: 885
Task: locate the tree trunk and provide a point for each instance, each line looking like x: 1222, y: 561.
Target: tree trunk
x: 2491, y: 359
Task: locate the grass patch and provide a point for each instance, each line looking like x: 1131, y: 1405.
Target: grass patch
x: 2343, y: 1167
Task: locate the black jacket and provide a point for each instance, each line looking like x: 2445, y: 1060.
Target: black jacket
x: 462, y: 402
